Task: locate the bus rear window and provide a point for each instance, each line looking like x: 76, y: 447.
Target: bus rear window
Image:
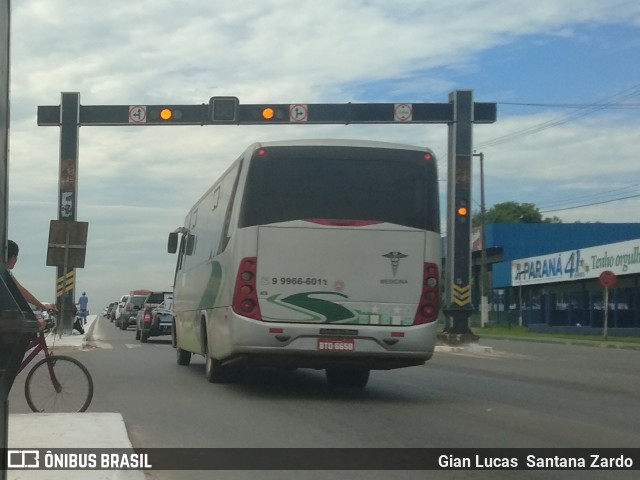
x: 341, y: 183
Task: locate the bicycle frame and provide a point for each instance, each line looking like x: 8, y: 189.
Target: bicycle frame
x: 36, y: 346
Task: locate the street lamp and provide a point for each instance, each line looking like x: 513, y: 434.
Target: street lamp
x: 484, y: 304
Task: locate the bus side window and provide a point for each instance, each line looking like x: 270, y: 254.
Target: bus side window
x: 190, y: 244
x: 224, y: 240
x: 216, y: 198
x: 181, y: 252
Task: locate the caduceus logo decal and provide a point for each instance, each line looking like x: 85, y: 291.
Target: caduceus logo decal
x: 395, y: 260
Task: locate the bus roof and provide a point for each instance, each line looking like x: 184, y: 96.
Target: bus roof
x: 337, y: 143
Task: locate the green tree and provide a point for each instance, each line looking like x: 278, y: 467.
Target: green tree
x: 513, y: 212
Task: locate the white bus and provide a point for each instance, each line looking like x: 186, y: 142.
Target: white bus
x: 312, y: 254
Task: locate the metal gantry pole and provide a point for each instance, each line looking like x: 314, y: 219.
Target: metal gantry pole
x: 67, y: 195
x: 457, y: 305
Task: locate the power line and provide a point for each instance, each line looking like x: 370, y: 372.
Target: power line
x: 592, y: 196
x: 567, y: 117
x: 605, y: 106
x: 591, y: 204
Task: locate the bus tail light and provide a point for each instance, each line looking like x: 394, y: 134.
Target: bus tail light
x: 429, y: 306
x: 245, y: 299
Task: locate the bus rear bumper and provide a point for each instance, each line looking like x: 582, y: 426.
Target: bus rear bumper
x: 323, y: 345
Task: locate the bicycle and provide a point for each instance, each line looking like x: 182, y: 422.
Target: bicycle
x: 56, y: 383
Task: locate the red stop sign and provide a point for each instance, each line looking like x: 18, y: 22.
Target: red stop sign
x: 608, y: 279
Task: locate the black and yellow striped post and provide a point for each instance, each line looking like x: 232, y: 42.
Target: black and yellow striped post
x: 65, y: 284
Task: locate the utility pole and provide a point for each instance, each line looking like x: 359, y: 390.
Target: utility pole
x: 18, y: 324
x: 484, y: 304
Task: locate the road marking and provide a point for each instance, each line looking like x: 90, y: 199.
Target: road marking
x: 98, y: 344
x: 138, y: 345
x: 478, y: 351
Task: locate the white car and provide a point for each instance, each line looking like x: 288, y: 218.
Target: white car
x: 120, y: 307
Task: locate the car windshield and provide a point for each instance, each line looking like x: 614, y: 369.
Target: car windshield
x: 138, y: 300
x: 155, y: 298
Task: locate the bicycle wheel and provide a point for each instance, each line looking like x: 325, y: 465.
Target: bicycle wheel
x: 75, y: 391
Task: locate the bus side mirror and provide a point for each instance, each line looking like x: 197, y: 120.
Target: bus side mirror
x: 172, y: 244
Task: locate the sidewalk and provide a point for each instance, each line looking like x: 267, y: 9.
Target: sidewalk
x: 70, y: 430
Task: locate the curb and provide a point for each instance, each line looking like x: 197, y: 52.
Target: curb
x: 567, y: 341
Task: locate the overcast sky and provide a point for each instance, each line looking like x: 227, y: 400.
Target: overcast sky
x: 565, y: 75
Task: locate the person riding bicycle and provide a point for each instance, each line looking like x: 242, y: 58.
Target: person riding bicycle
x: 83, y: 302
x: 12, y: 258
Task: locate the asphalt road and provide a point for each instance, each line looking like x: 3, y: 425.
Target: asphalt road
x: 518, y: 394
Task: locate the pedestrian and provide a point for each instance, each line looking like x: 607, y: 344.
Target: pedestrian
x: 77, y: 321
x: 83, y: 303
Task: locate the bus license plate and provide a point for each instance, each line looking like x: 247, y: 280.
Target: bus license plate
x: 336, y: 345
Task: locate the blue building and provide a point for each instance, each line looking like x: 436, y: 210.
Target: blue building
x: 546, y: 275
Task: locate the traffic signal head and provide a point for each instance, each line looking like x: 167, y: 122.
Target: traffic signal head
x: 223, y: 109
x: 462, y: 210
x: 165, y: 114
x: 274, y: 113
x: 268, y: 113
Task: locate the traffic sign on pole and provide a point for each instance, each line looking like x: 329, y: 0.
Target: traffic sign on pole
x: 607, y: 279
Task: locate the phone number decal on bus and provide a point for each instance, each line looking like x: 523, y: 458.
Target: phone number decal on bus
x: 298, y: 281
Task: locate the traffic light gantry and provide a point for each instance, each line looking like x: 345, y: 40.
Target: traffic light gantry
x: 460, y: 113
x: 229, y: 111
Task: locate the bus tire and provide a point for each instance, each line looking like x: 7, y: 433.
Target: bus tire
x: 347, y: 377
x: 214, y: 371
x: 174, y: 340
x: 183, y: 357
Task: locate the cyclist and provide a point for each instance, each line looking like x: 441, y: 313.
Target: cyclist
x: 12, y: 258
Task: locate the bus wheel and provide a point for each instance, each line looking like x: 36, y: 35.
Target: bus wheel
x: 214, y: 371
x: 184, y: 357
x: 347, y: 377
